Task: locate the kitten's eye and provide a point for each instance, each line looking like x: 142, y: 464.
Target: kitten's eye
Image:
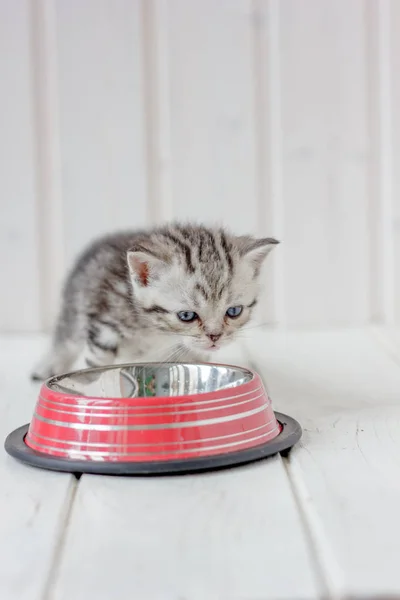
x: 234, y: 311
x: 187, y: 315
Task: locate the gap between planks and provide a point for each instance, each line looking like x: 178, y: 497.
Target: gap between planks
x: 344, y: 383
x: 307, y: 517
x: 60, y: 584
x: 61, y: 538
x: 331, y: 578
x: 321, y: 556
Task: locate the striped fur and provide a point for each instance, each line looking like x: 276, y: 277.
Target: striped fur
x: 124, y: 293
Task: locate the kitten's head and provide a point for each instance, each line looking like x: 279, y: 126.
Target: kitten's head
x: 197, y: 284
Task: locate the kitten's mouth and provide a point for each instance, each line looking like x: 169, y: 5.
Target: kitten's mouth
x: 214, y: 347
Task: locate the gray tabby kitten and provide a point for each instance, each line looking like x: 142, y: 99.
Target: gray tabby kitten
x: 174, y: 293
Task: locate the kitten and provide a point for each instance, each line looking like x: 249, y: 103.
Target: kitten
x: 175, y: 293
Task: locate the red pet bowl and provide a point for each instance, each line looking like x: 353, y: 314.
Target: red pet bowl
x: 152, y: 419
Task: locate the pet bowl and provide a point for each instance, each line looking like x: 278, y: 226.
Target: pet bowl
x: 151, y: 419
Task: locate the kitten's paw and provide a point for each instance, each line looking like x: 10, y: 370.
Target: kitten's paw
x: 43, y: 370
x: 36, y: 377
x: 41, y: 375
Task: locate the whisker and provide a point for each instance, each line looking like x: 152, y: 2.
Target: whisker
x: 173, y: 354
x: 173, y: 333
x: 254, y: 326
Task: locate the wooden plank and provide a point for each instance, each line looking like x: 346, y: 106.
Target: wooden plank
x: 344, y: 390
x: 267, y: 78
x: 102, y: 118
x: 211, y: 119
x: 395, y: 149
x: 381, y: 113
x: 325, y: 145
x: 389, y: 339
x: 19, y: 263
x: 33, y: 503
x: 50, y: 239
x: 158, y: 117
x: 218, y: 535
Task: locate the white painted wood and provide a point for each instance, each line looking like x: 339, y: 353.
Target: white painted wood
x: 325, y: 148
x: 389, y: 339
x: 209, y: 535
x: 344, y: 389
x: 277, y: 118
x: 212, y: 111
x: 395, y: 90
x: 102, y: 117
x: 224, y: 535
x: 33, y: 503
x: 19, y: 299
x: 267, y: 78
x: 157, y: 110
x: 378, y: 31
x: 50, y: 221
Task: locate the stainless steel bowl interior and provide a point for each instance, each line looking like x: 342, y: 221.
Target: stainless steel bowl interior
x: 149, y: 380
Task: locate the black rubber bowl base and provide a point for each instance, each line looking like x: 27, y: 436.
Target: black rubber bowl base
x: 289, y: 436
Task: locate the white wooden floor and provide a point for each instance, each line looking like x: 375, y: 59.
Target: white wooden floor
x: 323, y: 523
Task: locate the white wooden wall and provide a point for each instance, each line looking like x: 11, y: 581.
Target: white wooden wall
x: 278, y: 117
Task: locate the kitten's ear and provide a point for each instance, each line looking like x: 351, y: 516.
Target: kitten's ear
x: 144, y: 265
x: 256, y: 250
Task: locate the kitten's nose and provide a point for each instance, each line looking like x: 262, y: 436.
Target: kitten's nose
x: 214, y: 337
